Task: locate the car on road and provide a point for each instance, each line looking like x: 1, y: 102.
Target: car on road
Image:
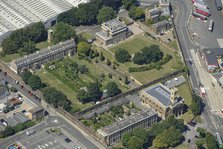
x: 67, y: 140
x: 30, y: 132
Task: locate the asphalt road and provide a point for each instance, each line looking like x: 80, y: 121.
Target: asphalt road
x: 49, y: 123
x: 181, y: 18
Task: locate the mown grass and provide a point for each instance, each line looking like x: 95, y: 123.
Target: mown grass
x: 135, y: 45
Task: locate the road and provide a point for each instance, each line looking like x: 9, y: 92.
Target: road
x: 71, y: 128
x: 212, y: 122
x: 47, y: 124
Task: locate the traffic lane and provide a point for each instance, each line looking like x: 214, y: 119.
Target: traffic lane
x: 184, y: 40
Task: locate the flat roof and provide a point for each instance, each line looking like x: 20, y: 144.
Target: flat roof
x: 211, y: 58
x: 114, y: 25
x: 117, y: 126
x: 160, y: 93
x: 217, y: 51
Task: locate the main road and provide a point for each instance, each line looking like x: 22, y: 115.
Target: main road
x: 181, y: 25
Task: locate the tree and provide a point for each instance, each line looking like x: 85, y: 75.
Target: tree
x: 27, y: 48
x: 34, y: 33
x: 168, y: 138
x: 122, y: 55
x: 128, y: 3
x: 135, y: 143
x: 112, y: 89
x: 92, y: 93
x: 9, y: 130
x: 62, y: 32
x: 35, y: 82
x: 13, y: 89
x: 108, y: 62
x: 126, y: 80
x: 202, y: 132
x: 83, y: 69
x: 210, y: 141
x: 105, y: 14
x: 83, y: 49
x: 26, y: 75
x: 117, y: 111
x: 56, y: 98
x: 139, y: 58
x: 136, y: 13
x: 196, y: 105
x: 152, y: 53
x: 102, y: 58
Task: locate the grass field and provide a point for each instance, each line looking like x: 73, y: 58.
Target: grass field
x: 185, y: 92
x: 59, y: 79
x: 136, y: 44
x: 9, y: 57
x: 43, y: 45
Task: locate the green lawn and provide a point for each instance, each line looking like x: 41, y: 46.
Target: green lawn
x: 70, y: 86
x: 9, y: 57
x: 52, y: 81
x: 181, y: 146
x: 185, y: 92
x: 43, y: 45
x: 86, y: 35
x: 136, y: 44
x: 173, y: 44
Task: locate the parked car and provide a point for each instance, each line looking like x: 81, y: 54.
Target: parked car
x: 67, y: 140
x: 30, y: 132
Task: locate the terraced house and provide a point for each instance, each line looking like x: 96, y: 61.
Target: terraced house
x: 35, y: 60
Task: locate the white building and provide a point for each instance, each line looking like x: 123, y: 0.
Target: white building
x: 16, y: 14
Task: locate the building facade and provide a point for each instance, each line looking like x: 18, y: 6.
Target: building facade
x: 112, y: 134
x: 35, y: 60
x: 112, y: 32
x: 36, y: 113
x: 163, y: 100
x: 153, y: 14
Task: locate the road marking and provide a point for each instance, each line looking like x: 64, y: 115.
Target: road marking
x: 220, y: 42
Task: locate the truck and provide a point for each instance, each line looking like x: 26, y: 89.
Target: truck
x: 199, y: 2
x: 202, y: 11
x: 197, y: 15
x: 200, y: 5
x: 218, y: 4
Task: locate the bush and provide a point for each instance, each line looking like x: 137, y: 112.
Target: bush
x: 152, y: 65
x: 13, y: 89
x: 108, y: 62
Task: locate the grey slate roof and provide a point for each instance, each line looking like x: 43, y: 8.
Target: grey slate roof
x: 217, y: 51
x: 160, y: 93
x: 127, y: 122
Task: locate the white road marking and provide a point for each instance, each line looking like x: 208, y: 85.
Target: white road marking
x: 220, y: 42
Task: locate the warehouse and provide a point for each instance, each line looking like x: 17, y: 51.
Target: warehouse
x: 16, y: 14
